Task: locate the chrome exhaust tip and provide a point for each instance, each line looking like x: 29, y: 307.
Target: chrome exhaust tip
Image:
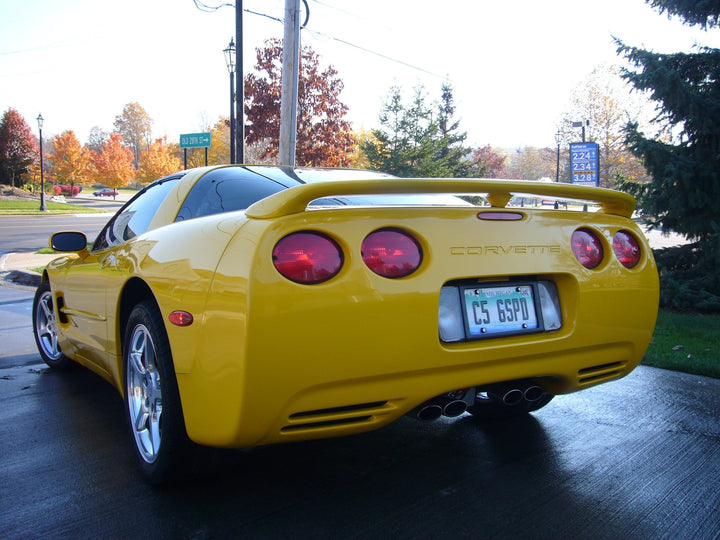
x: 533, y: 393
x: 430, y: 411
x: 513, y: 397
x: 454, y: 408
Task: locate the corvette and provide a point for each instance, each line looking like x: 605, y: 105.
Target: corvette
x: 240, y: 306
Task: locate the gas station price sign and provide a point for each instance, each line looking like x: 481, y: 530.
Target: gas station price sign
x: 584, y: 163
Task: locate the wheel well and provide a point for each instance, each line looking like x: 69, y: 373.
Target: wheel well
x: 135, y: 291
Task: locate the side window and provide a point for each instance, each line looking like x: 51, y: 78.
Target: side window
x: 226, y: 190
x: 135, y: 217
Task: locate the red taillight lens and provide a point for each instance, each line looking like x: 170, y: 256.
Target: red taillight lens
x: 587, y: 248
x: 391, y: 253
x: 626, y: 249
x: 307, y: 257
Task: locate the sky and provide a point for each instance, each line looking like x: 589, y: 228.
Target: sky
x: 513, y: 63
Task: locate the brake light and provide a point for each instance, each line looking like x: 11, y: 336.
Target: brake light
x: 391, y: 253
x: 627, y: 249
x: 307, y: 257
x: 587, y: 248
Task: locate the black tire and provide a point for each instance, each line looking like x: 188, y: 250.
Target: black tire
x: 152, y: 401
x: 488, y: 408
x: 45, y: 328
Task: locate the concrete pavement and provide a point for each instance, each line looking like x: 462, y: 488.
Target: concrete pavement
x: 20, y: 267
x: 634, y: 459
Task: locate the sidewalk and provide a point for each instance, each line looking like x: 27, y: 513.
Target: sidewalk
x: 17, y: 267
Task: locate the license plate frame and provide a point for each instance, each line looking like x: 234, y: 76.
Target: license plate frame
x: 492, y: 310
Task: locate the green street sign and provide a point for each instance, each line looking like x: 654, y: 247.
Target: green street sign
x: 195, y: 140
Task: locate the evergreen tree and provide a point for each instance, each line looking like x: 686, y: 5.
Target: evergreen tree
x: 452, y: 148
x: 416, y: 140
x: 684, y: 193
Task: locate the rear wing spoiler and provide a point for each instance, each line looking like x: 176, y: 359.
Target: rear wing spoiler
x: 497, y: 192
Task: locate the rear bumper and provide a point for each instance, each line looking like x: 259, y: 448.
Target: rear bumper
x: 352, y: 372
x: 278, y: 361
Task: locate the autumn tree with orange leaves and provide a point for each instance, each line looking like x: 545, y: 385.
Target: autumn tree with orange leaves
x: 70, y: 161
x: 157, y: 162
x: 324, y: 137
x: 135, y: 126
x: 113, y: 164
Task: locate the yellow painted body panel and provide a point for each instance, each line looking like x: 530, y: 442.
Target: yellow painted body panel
x: 268, y: 360
x: 273, y: 351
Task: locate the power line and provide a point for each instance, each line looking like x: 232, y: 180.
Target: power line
x: 202, y: 6
x: 375, y: 53
x: 263, y: 15
x: 209, y: 9
x: 350, y: 14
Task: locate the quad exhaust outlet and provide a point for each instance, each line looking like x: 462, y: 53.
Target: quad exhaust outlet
x: 454, y: 404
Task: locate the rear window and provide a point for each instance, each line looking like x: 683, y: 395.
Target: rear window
x: 226, y: 190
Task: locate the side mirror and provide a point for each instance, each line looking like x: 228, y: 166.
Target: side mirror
x: 69, y: 241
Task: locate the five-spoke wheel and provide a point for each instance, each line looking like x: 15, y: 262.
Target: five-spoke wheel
x: 144, y: 394
x: 153, y: 409
x: 45, y: 328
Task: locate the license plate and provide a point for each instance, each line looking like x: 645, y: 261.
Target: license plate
x: 490, y: 311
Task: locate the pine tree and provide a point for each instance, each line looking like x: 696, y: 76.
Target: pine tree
x: 684, y: 193
x: 452, y: 148
x: 415, y: 140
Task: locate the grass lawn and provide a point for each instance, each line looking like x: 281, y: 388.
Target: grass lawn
x: 686, y: 342
x: 11, y: 207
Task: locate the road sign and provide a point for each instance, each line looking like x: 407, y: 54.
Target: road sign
x: 584, y: 163
x: 195, y: 140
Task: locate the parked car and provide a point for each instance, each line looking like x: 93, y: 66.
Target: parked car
x: 106, y: 192
x: 245, y: 306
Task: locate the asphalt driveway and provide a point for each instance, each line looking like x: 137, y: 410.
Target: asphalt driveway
x: 635, y: 458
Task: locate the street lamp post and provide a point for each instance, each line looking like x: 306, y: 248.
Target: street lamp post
x: 43, y: 208
x: 230, y: 63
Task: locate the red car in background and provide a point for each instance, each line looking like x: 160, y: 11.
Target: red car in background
x: 106, y: 192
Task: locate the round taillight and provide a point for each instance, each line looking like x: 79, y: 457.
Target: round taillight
x: 587, y: 248
x: 307, y: 257
x: 627, y: 249
x: 391, y: 253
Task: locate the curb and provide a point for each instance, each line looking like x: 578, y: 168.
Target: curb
x: 22, y: 277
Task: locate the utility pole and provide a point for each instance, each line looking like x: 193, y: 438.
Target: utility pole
x: 289, y: 92
x: 239, y: 86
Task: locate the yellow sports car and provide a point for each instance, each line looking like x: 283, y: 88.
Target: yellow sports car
x: 241, y: 306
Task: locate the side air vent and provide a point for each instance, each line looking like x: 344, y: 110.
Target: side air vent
x: 60, y: 309
x: 336, y: 417
x: 600, y: 373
